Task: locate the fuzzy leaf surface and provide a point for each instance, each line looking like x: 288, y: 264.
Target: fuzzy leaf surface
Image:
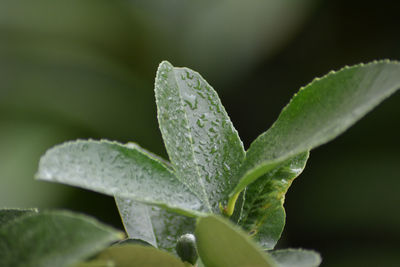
x: 203, y: 146
x: 296, y: 257
x: 220, y: 243
x: 152, y: 224
x: 117, y: 170
x: 318, y: 113
x: 263, y: 214
x: 9, y: 215
x: 136, y: 255
x: 53, y: 239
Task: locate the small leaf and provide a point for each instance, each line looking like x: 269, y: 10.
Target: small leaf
x: 296, y: 257
x: 263, y: 214
x: 135, y: 255
x: 117, y: 170
x: 221, y: 244
x: 203, y: 146
x: 9, y: 215
x: 53, y: 239
x: 157, y: 226
x: 317, y: 114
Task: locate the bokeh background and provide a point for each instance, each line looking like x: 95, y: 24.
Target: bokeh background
x: 85, y: 69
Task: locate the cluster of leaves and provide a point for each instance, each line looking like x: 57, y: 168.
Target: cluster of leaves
x: 59, y: 238
x: 209, y: 171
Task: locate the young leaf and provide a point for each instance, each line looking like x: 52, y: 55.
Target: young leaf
x: 296, y: 257
x: 221, y: 244
x: 52, y: 239
x: 135, y: 255
x: 318, y: 113
x: 118, y: 170
x: 263, y: 214
x: 9, y: 215
x: 154, y: 225
x: 202, y: 144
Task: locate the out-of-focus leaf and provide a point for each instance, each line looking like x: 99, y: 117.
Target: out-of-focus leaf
x: 120, y: 170
x: 263, y: 214
x: 296, y: 257
x: 8, y: 215
x: 53, y: 239
x: 318, y: 113
x: 202, y: 144
x: 135, y: 255
x: 221, y: 244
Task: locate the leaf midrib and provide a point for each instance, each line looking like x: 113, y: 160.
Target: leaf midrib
x: 191, y: 143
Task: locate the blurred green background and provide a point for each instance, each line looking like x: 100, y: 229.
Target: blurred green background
x: 85, y: 69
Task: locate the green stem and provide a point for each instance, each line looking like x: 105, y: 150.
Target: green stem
x: 231, y: 205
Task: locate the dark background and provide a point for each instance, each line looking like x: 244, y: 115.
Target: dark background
x: 85, y: 69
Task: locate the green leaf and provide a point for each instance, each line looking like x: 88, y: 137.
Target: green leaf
x: 9, y: 215
x: 318, y: 113
x: 152, y: 224
x: 135, y: 255
x: 117, y: 170
x: 222, y: 244
x: 296, y: 257
x: 202, y: 144
x: 263, y: 214
x: 53, y: 239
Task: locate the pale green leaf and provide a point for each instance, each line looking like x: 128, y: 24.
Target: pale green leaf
x: 202, y: 144
x: 117, y: 170
x: 263, y: 215
x: 296, y: 257
x: 9, y: 215
x: 318, y: 113
x: 52, y: 239
x: 152, y: 224
x: 135, y: 255
x: 220, y: 243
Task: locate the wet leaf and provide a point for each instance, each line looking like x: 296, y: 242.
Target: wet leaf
x: 296, y: 257
x: 135, y: 255
x: 152, y: 224
x: 53, y: 239
x: 318, y: 113
x: 117, y: 170
x: 202, y: 144
x: 220, y: 243
x: 263, y: 215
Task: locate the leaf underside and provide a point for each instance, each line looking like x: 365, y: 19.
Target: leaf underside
x: 296, y: 257
x: 152, y: 224
x: 263, y: 215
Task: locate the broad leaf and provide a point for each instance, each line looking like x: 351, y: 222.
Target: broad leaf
x: 53, y: 239
x: 222, y: 244
x: 118, y: 170
x: 152, y: 224
x: 296, y: 257
x: 318, y: 113
x: 263, y: 214
x: 202, y: 144
x: 9, y: 215
x: 135, y: 255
